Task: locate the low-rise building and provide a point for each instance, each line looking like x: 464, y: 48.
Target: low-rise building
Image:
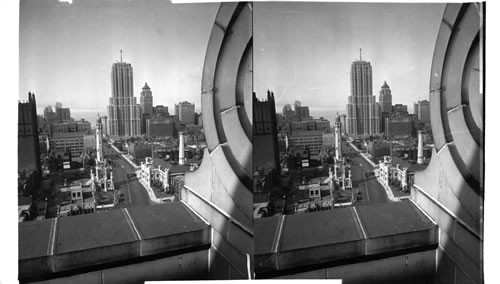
x: 313, y: 140
x: 378, y: 148
x: 399, y: 126
x: 140, y: 150
x: 161, y: 126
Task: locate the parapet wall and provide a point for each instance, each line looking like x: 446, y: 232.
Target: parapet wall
x: 313, y: 243
x: 103, y: 243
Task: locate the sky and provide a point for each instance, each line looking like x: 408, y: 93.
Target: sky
x: 66, y: 50
x: 304, y: 51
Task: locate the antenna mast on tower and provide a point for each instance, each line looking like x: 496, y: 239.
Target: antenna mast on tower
x: 121, y: 60
x: 360, y: 58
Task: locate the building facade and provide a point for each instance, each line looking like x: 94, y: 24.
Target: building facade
x: 161, y: 110
x: 423, y: 111
x: 399, y: 126
x: 400, y: 109
x: 146, y: 99
x: 28, y: 154
x: 385, y: 98
x: 158, y: 126
x: 65, y: 129
x: 185, y: 112
x: 362, y: 116
x: 265, y: 135
x: 309, y: 125
x: 124, y: 114
x: 302, y: 112
x: 63, y: 114
x: 313, y: 140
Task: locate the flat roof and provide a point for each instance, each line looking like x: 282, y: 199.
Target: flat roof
x: 34, y: 238
x: 87, y: 231
x: 392, y: 218
x: 76, y: 242
x: 320, y: 228
x: 327, y: 238
x: 265, y: 232
x: 175, y: 218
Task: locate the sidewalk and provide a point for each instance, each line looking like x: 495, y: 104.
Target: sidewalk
x: 151, y: 193
x: 388, y: 190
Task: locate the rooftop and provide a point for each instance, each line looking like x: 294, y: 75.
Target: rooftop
x: 290, y: 243
x: 86, y: 242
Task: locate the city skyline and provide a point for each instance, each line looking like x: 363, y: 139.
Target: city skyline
x: 66, y: 50
x: 323, y: 39
x: 242, y: 191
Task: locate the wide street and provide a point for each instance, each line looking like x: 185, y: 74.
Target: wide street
x: 133, y: 192
x: 371, y: 190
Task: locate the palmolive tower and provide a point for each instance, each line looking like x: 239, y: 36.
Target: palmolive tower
x: 362, y: 109
x: 124, y: 114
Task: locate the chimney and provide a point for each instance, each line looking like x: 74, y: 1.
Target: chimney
x: 181, y: 148
x: 420, y: 151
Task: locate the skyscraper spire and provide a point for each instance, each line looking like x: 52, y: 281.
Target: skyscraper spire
x: 121, y: 60
x: 360, y: 57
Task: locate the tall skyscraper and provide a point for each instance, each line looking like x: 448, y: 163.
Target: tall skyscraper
x: 28, y: 154
x: 146, y: 100
x: 362, y: 115
x: 185, y: 112
x: 146, y: 106
x: 123, y: 111
x: 385, y: 98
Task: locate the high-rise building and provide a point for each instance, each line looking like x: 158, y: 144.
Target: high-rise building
x: 399, y: 126
x: 63, y: 114
x: 146, y: 100
x: 161, y: 110
x: 146, y: 106
x: 343, y: 126
x: 423, y: 111
x: 28, y: 154
x: 123, y: 111
x: 265, y: 135
x: 69, y: 136
x: 385, y: 98
x: 185, y: 112
x: 104, y: 125
x: 400, y: 109
x: 302, y: 112
x: 48, y: 113
x: 362, y: 116
x: 287, y: 110
x: 158, y: 126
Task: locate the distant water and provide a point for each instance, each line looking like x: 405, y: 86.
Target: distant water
x: 90, y: 116
x: 330, y: 115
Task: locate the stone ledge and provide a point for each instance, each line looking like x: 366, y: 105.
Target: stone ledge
x: 321, y: 240
x: 108, y: 239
